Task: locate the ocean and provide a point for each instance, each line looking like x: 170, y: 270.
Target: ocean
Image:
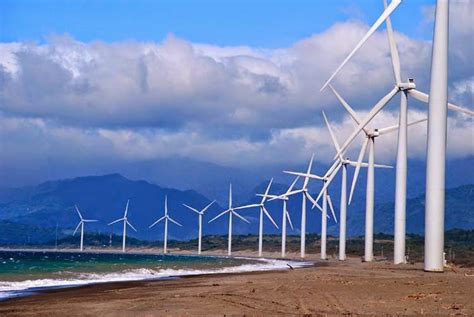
x: 27, y: 272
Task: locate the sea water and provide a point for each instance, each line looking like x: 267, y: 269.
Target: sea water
x: 26, y: 272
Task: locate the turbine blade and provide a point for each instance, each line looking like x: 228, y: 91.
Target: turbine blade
x: 328, y: 182
x: 293, y: 184
x: 381, y: 166
x: 266, y: 191
x: 174, y: 221
x: 247, y: 206
x: 331, y: 169
x: 126, y: 209
x: 305, y: 175
x: 239, y: 216
x: 352, y: 163
x: 128, y: 223
x: 346, y: 106
x: 78, y: 225
x: 331, y: 207
x: 219, y: 215
x: 308, y: 172
x: 357, y: 170
x: 310, y: 198
x: 191, y: 208
x: 207, y: 207
x: 89, y: 220
x: 230, y: 196
x: 166, y: 205
x: 417, y: 121
x: 156, y: 222
x: 376, y: 109
x: 265, y: 211
x: 393, y: 48
x: 333, y: 137
x: 393, y: 5
x: 395, y: 127
x: 286, y: 195
x: 118, y: 220
x: 289, y: 219
x: 421, y: 96
x: 79, y: 213
x: 388, y: 129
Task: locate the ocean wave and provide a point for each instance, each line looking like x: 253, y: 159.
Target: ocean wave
x: 22, y: 288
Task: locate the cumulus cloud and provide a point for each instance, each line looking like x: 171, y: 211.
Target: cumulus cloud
x: 229, y: 105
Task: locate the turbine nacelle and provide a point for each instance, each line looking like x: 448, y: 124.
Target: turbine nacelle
x: 407, y: 86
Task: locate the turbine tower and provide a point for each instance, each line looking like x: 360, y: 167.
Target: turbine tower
x: 125, y: 223
x: 200, y: 214
x: 263, y: 211
x: 405, y: 88
x: 166, y: 218
x: 285, y: 216
x: 326, y: 201
x: 81, y: 224
x: 304, y: 195
x: 370, y: 134
x: 436, y: 150
x: 342, y: 162
x: 231, y: 213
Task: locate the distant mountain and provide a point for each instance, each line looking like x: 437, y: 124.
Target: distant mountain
x: 102, y: 198
x: 33, y: 212
x: 459, y: 213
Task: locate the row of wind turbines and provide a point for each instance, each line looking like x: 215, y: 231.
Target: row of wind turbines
x: 437, y: 121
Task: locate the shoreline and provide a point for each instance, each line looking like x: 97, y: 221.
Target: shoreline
x: 331, y: 288
x: 264, y: 264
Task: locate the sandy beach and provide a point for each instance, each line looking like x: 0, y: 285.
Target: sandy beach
x: 327, y: 288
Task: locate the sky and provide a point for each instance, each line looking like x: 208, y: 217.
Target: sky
x: 235, y: 83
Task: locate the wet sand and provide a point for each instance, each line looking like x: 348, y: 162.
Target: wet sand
x: 328, y: 288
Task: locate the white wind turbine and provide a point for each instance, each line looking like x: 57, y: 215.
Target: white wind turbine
x: 263, y: 211
x: 305, y: 195
x: 371, y: 134
x: 342, y: 162
x: 166, y: 218
x: 81, y: 224
x: 285, y: 216
x: 231, y: 212
x: 405, y: 88
x: 200, y: 214
x: 125, y: 223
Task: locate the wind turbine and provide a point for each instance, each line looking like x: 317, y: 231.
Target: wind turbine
x: 81, y: 224
x: 370, y: 134
x: 343, y: 162
x: 200, y: 214
x: 305, y: 195
x: 263, y: 211
x: 165, y: 218
x: 125, y: 223
x: 285, y: 215
x: 231, y: 212
x: 405, y: 88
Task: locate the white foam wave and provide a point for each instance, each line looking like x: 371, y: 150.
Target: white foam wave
x: 21, y: 288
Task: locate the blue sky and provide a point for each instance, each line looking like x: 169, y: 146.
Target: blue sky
x: 263, y: 23
x: 86, y: 85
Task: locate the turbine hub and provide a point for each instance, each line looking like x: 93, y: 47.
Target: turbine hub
x: 408, y: 85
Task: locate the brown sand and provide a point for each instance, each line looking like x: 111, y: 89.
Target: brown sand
x: 328, y: 288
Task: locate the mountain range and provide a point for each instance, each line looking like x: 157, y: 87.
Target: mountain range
x: 32, y: 213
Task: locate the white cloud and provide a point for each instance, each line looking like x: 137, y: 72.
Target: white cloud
x: 229, y: 105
